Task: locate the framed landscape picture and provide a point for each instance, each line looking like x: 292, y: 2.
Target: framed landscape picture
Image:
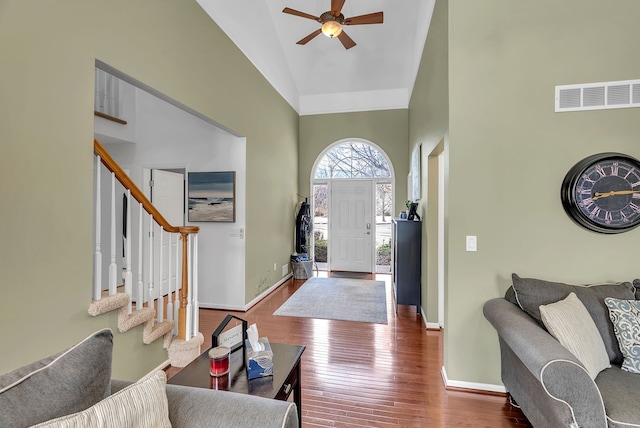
x: 212, y: 196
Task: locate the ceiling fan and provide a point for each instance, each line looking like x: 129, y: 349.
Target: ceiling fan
x: 332, y: 22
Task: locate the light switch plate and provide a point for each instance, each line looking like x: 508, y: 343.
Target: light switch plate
x: 472, y: 243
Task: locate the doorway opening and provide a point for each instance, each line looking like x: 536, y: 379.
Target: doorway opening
x: 352, y: 187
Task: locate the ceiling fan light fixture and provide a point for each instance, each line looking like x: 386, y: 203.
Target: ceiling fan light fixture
x: 331, y: 28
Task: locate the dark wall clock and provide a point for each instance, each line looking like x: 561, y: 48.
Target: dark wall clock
x: 602, y: 193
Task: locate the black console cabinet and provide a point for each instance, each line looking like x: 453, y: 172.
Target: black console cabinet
x: 407, y: 249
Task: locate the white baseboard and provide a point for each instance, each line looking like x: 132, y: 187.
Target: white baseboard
x: 429, y: 325
x: 221, y: 307
x: 488, y: 387
x: 267, y: 292
x: 244, y: 308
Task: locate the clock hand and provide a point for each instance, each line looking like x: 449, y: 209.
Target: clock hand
x: 598, y: 195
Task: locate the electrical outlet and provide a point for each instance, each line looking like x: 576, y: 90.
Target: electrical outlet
x: 285, y: 270
x: 275, y: 266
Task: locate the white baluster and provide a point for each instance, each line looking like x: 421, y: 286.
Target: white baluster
x: 140, y: 286
x: 128, y: 276
x: 160, y: 278
x: 96, y: 102
x: 116, y: 108
x: 194, y: 274
x: 177, y: 282
x: 169, y: 292
x: 150, y: 295
x: 103, y: 93
x: 97, y: 256
x: 107, y: 95
x: 189, y: 321
x: 113, y: 266
x: 113, y: 97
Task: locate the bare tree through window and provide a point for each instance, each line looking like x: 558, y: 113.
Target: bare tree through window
x: 353, y: 160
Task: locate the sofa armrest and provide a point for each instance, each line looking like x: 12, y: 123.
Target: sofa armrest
x: 195, y: 407
x: 192, y: 407
x: 561, y: 374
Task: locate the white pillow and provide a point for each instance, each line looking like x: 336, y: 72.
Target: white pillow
x: 569, y: 321
x: 139, y: 405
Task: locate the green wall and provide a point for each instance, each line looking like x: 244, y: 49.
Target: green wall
x: 428, y: 126
x: 509, y: 151
x: 388, y: 129
x: 46, y: 132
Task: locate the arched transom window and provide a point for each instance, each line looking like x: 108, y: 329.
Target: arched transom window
x: 353, y: 160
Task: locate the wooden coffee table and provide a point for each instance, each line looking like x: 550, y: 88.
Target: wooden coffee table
x: 286, y: 377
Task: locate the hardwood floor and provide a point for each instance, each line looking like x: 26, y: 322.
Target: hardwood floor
x: 371, y: 375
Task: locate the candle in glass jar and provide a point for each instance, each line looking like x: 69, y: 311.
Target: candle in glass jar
x: 219, y: 360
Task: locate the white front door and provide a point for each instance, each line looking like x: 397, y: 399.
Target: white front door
x: 351, y: 227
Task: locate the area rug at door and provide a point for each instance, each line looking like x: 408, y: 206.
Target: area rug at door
x: 338, y: 299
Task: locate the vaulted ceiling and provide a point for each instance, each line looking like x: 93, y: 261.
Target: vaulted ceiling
x: 322, y: 76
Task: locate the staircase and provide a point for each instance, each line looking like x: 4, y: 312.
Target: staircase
x: 164, y: 297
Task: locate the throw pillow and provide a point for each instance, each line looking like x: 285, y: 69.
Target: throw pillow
x: 570, y: 323
x: 140, y: 405
x: 625, y: 316
x: 64, y: 383
x: 636, y: 283
x: 531, y: 293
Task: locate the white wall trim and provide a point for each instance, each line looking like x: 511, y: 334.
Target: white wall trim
x: 428, y: 325
x: 251, y: 303
x: 345, y: 102
x: 222, y: 307
x: 267, y: 292
x: 471, y: 385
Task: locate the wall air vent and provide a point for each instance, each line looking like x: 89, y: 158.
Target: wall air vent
x: 598, y: 96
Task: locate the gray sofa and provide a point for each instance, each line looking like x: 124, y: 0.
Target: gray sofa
x: 74, y: 389
x: 548, y: 382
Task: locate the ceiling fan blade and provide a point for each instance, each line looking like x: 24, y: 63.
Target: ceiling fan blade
x: 301, y: 14
x: 370, y: 18
x: 347, y: 41
x: 309, y: 37
x: 336, y: 7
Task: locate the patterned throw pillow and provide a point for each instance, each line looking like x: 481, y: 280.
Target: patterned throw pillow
x: 625, y: 316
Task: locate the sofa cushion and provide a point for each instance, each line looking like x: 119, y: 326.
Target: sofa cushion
x: 625, y: 316
x: 570, y: 323
x: 64, y: 383
x: 531, y: 293
x: 619, y: 391
x: 140, y: 405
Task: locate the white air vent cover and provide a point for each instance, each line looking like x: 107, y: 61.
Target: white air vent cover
x: 598, y: 96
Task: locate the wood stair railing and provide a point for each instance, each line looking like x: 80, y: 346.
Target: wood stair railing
x: 184, y: 231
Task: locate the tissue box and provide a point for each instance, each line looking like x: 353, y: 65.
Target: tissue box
x: 259, y: 364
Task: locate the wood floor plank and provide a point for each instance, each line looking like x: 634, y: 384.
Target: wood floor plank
x: 371, y: 375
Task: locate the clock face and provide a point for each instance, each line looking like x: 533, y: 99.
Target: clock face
x: 602, y: 193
